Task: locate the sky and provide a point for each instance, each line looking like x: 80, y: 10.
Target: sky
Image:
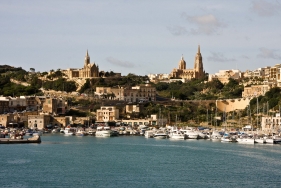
x: 140, y: 37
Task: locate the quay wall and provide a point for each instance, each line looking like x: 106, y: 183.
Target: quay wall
x: 229, y: 105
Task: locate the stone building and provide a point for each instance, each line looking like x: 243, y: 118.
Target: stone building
x: 271, y: 124
x: 38, y: 121
x: 224, y: 75
x: 183, y: 73
x: 5, y: 119
x: 107, y: 114
x: 255, y: 90
x: 55, y: 106
x: 50, y: 106
x: 61, y: 121
x: 32, y: 103
x: 144, y: 92
x: 90, y: 70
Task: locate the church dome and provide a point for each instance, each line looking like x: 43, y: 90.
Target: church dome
x: 182, y: 63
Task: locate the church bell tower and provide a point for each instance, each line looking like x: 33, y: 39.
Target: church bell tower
x: 198, y: 65
x: 87, y: 59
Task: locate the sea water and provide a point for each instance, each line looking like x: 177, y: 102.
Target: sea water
x: 136, y: 161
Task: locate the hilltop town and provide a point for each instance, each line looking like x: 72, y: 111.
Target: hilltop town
x: 187, y: 96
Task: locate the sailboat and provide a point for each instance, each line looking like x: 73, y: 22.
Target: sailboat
x: 216, y: 136
x: 227, y: 137
x: 259, y: 139
x: 245, y: 138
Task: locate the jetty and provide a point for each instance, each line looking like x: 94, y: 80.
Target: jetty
x: 34, y: 139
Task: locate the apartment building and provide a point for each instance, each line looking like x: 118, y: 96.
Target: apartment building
x: 271, y: 124
x: 107, y: 114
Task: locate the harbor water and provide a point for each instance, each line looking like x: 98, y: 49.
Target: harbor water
x: 135, y: 161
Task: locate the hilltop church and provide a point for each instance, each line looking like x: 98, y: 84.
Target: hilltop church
x: 183, y: 73
x: 88, y: 71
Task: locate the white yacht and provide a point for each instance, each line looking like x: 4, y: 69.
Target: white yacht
x: 216, y: 136
x: 104, y: 132
x: 226, y: 138
x: 80, y: 132
x: 245, y: 140
x: 200, y: 135
x: 148, y: 134
x: 260, y: 140
x: 160, y: 134
x: 177, y: 135
x: 190, y: 133
x: 68, y: 132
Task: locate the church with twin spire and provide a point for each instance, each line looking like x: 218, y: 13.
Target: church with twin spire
x: 182, y: 73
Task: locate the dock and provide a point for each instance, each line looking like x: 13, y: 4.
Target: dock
x: 34, y: 139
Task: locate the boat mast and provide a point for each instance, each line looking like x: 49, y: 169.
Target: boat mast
x: 257, y: 112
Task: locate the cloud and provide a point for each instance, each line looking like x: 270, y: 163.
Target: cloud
x: 177, y: 30
x: 218, y: 57
x: 245, y: 57
x: 268, y: 54
x: 120, y: 63
x: 206, y: 24
x: 265, y: 8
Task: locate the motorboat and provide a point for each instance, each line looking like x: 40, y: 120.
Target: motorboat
x: 228, y: 138
x: 273, y: 140
x: 201, y: 135
x: 276, y: 139
x: 148, y: 134
x: 190, y: 133
x: 216, y: 136
x: 91, y: 132
x: 80, y: 132
x: 68, y: 131
x: 245, y: 140
x: 260, y: 140
x: 160, y: 134
x: 177, y: 135
x: 104, y: 132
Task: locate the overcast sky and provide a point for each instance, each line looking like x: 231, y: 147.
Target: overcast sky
x: 140, y: 37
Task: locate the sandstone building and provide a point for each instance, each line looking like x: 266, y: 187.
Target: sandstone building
x: 183, y: 73
x: 107, y: 113
x: 143, y: 92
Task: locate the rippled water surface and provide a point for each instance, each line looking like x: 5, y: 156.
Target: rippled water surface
x: 134, y: 161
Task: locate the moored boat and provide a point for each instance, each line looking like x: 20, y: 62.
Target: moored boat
x: 160, y: 134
